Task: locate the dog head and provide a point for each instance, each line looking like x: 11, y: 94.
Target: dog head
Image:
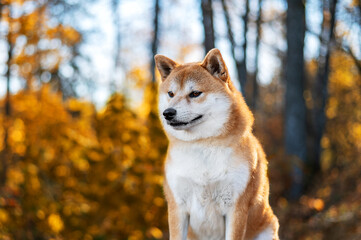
x: 195, y: 99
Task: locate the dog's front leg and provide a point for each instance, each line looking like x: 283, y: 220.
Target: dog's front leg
x: 178, y: 221
x: 178, y: 218
x: 236, y: 222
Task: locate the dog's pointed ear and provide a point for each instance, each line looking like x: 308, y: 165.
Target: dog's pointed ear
x: 164, y: 65
x: 215, y: 64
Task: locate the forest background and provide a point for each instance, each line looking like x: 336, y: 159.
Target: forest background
x: 81, y: 146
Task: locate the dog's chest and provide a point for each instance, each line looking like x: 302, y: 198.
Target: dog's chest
x: 206, y: 182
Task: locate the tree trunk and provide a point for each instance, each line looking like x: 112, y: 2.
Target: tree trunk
x: 295, y: 112
x: 243, y: 64
x: 349, y: 51
x: 321, y: 85
x: 255, y: 87
x: 207, y: 14
x: 240, y: 64
x: 231, y: 38
x: 6, y: 151
x: 116, y: 20
x: 155, y: 41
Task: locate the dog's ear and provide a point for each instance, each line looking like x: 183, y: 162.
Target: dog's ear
x: 164, y: 65
x: 215, y: 64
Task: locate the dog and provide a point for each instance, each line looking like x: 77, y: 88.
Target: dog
x: 216, y: 183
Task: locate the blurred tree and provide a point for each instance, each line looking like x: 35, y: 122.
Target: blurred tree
x: 295, y: 111
x: 255, y: 85
x: 131, y: 166
x: 243, y: 68
x: 42, y: 159
x: 207, y: 20
x: 331, y: 201
x: 86, y: 178
x: 41, y: 49
x: 117, y: 48
x: 155, y: 40
x: 5, y: 154
x: 47, y: 49
x: 321, y: 83
x: 241, y: 65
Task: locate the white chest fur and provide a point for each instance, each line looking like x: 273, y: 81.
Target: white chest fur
x: 206, y: 182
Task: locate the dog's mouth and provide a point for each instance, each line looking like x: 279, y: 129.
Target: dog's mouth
x: 181, y: 124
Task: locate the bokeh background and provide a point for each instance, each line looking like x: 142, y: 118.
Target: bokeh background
x: 81, y: 147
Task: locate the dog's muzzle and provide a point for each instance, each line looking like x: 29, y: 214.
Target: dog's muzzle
x: 178, y: 123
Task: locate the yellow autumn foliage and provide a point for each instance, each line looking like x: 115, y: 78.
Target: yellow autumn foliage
x: 55, y: 223
x: 79, y: 168
x: 3, y: 216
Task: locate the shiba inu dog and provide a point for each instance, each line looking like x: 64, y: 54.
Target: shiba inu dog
x: 216, y: 182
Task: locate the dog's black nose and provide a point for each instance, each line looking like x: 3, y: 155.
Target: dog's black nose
x: 169, y: 113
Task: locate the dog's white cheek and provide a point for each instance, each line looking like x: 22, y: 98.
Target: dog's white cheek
x: 163, y: 103
x: 216, y: 110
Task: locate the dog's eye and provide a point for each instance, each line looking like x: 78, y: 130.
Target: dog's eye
x: 170, y: 94
x: 195, y: 94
